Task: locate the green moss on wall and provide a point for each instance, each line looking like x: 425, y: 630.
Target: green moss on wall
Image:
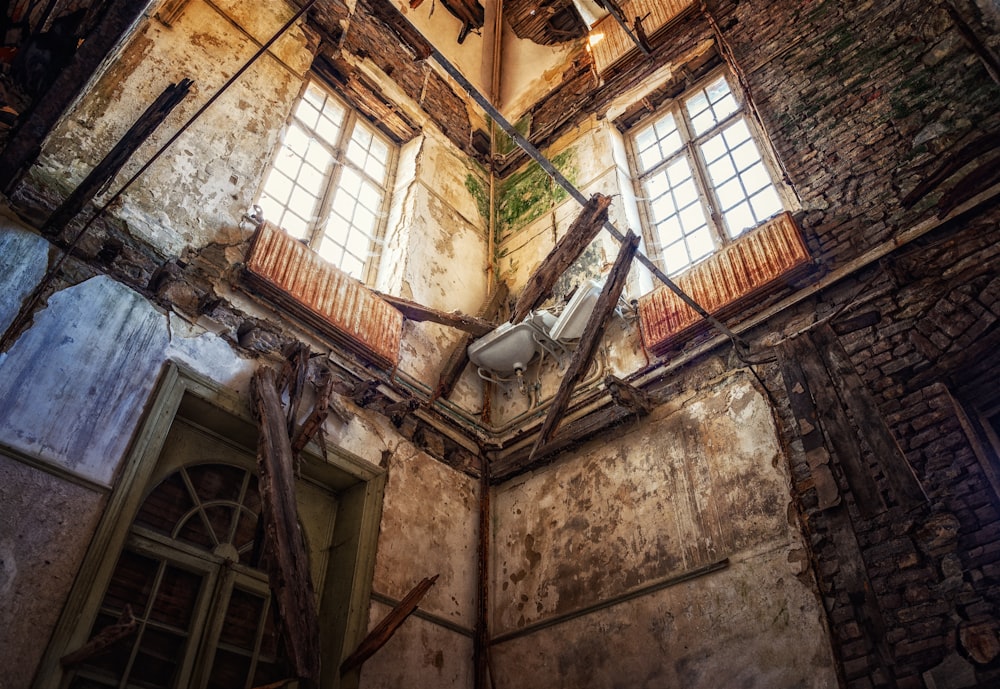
x: 481, y: 194
x: 528, y: 194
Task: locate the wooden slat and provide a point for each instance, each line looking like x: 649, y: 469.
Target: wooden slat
x: 568, y: 249
x: 606, y: 303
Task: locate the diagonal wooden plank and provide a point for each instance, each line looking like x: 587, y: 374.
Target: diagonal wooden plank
x: 568, y: 249
x: 459, y: 357
x: 605, y: 305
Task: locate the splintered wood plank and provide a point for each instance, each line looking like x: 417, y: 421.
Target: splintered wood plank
x: 568, y: 249
x: 872, y: 427
x: 605, y: 305
x: 383, y: 631
x: 459, y: 357
x: 287, y: 560
x: 418, y: 312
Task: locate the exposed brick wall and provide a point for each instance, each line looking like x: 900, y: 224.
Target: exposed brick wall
x: 933, y: 570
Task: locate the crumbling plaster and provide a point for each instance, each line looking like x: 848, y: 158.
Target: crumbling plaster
x: 703, y: 479
x: 199, y: 189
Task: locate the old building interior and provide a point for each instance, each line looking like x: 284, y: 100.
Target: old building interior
x: 500, y: 344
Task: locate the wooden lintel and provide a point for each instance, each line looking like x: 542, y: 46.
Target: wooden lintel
x: 459, y: 357
x: 568, y: 249
x: 383, y: 631
x: 605, y: 306
x: 418, y: 312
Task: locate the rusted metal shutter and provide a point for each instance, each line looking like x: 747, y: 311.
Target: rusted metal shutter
x: 772, y: 252
x: 296, y: 279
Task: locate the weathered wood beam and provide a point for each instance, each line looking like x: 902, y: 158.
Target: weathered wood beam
x: 982, y: 51
x: 978, y: 179
x: 566, y: 436
x: 606, y: 303
x: 105, y: 171
x: 104, y: 640
x: 867, y: 418
x: 314, y: 422
x: 418, y: 312
x: 385, y: 12
x: 287, y: 560
x: 628, y: 396
x: 459, y: 357
x: 25, y: 141
x: 568, y: 249
x: 383, y: 631
x: 843, y: 440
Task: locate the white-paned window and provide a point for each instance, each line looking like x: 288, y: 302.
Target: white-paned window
x: 330, y: 181
x: 701, y: 176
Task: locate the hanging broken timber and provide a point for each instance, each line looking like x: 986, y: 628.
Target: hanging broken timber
x: 286, y: 557
x: 568, y: 249
x: 459, y: 357
x: 105, y: 171
x: 383, y: 631
x: 418, y: 312
x: 603, y: 309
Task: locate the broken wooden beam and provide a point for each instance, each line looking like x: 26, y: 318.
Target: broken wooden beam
x: 105, y: 171
x: 386, y: 12
x: 982, y: 51
x: 978, y: 179
x: 104, y: 640
x: 286, y: 557
x: 952, y: 164
x: 605, y: 306
x: 628, y: 396
x: 583, y: 230
x: 418, y: 312
x: 459, y: 357
x: 383, y: 631
x: 867, y: 418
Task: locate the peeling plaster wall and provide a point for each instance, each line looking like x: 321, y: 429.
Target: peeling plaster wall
x: 429, y: 526
x: 529, y: 71
x: 703, y: 479
x: 200, y: 188
x: 75, y: 386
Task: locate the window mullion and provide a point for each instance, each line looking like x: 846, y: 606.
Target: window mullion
x: 333, y: 180
x: 699, y: 172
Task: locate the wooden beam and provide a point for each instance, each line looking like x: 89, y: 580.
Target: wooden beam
x: 105, y: 171
x: 568, y: 249
x: 459, y: 357
x: 628, y: 396
x: 982, y: 51
x: 383, y: 631
x: 418, y: 312
x: 867, y: 418
x: 104, y: 640
x: 287, y: 560
x: 843, y: 440
x: 606, y: 303
x: 952, y: 164
x: 387, y: 13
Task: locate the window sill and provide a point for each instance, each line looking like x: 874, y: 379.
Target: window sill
x: 765, y: 257
x: 294, y: 277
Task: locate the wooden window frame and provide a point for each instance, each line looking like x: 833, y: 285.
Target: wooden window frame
x: 360, y: 486
x: 338, y: 150
x: 691, y: 151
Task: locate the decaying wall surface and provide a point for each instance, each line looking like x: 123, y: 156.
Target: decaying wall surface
x: 701, y: 480
x: 429, y: 527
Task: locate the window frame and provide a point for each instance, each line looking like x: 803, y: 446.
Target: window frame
x: 691, y: 151
x: 339, y: 160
